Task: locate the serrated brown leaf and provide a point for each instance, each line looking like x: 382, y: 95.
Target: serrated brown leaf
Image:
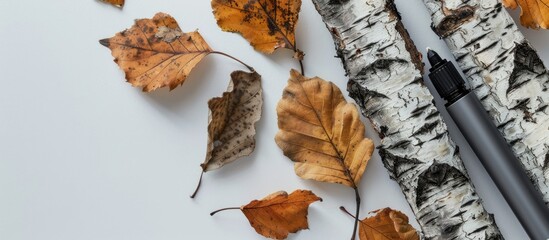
x: 155, y: 53
x: 118, y: 3
x: 266, y: 24
x: 232, y: 118
x: 387, y: 224
x: 534, y: 13
x: 321, y: 132
x: 279, y: 214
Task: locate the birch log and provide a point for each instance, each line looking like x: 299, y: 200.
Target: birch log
x: 385, y: 79
x: 506, y: 73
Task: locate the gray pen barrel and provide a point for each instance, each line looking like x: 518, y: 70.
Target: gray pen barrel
x: 502, y: 165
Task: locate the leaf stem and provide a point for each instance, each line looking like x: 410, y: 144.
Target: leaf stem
x: 224, y: 209
x: 343, y: 209
x: 357, y: 195
x: 198, y: 186
x: 233, y: 58
x: 300, y: 55
x: 302, y: 68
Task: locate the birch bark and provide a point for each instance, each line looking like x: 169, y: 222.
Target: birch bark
x: 385, y: 79
x: 506, y: 74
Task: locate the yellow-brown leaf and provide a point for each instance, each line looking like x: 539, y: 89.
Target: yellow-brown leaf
x: 279, y: 214
x: 266, y: 24
x: 534, y: 13
x: 155, y: 53
x: 118, y: 3
x: 321, y: 132
x: 387, y: 224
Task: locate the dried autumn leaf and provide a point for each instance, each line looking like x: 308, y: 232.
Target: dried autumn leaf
x: 322, y: 133
x: 155, y: 53
x: 231, y: 130
x: 232, y: 118
x: 118, y: 3
x: 534, y: 13
x: 387, y: 224
x: 279, y: 214
x: 266, y: 24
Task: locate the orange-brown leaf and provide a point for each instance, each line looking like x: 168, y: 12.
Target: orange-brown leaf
x: 279, y: 214
x: 266, y: 24
x: 534, y: 13
x: 387, y: 224
x: 118, y: 3
x: 155, y: 53
x: 321, y: 132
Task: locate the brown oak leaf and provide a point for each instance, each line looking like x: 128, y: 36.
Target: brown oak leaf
x: 266, y: 24
x: 387, y: 224
x: 232, y: 118
x: 118, y: 3
x: 321, y: 132
x: 155, y: 53
x: 534, y: 13
x: 279, y: 214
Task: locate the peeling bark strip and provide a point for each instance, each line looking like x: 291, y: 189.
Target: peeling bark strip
x: 385, y: 79
x: 505, y: 72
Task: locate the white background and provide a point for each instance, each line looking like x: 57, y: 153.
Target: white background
x: 83, y: 155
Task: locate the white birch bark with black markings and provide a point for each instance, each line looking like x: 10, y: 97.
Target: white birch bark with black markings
x: 506, y: 74
x: 385, y: 79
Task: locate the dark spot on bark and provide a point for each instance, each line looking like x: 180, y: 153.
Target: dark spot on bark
x: 522, y: 105
x: 454, y: 20
x: 468, y: 203
x: 476, y: 40
x: 431, y: 115
x: 479, y: 229
x: 434, y: 179
x: 419, y: 110
x: 426, y: 128
x: 382, y: 131
x: 502, y: 125
x: 402, y: 145
x: 363, y: 95
x: 451, y: 229
x: 526, y: 61
x: 337, y: 2
x: 397, y: 165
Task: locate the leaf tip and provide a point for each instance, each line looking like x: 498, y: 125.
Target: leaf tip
x: 105, y: 42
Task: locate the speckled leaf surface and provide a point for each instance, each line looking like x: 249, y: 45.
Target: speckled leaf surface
x: 155, y: 53
x: 266, y: 24
x: 232, y: 118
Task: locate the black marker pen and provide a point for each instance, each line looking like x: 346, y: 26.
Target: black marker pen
x: 490, y: 147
